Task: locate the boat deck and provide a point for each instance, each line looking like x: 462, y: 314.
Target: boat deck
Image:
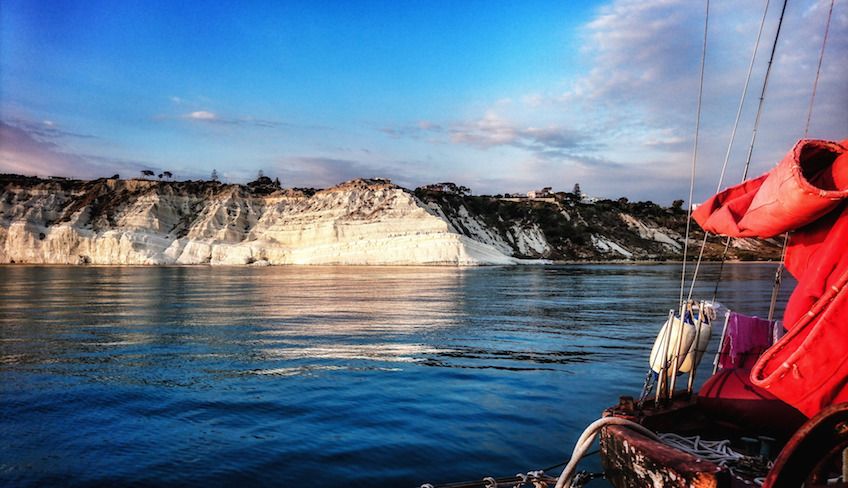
x: 633, y: 459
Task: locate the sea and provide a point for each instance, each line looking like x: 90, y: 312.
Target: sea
x: 326, y: 376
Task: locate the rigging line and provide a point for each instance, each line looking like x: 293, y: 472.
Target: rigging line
x: 818, y: 69
x: 778, y: 277
x: 730, y: 144
x: 756, y: 126
x: 763, y: 92
x: 694, y: 156
x: 778, y: 274
x: 590, y: 453
x: 721, y: 268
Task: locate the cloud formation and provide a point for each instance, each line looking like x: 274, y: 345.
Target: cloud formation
x: 619, y: 120
x: 202, y: 115
x: 633, y: 107
x: 493, y: 130
x: 47, y: 129
x: 645, y: 58
x: 206, y: 116
x: 35, y: 149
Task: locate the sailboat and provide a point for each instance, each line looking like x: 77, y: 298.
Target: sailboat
x: 774, y: 413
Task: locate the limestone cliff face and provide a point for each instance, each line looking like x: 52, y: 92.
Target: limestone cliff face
x: 111, y: 221
x: 148, y: 222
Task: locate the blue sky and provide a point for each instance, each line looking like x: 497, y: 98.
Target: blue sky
x: 498, y: 96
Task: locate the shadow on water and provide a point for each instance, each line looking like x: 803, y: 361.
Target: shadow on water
x: 396, y: 376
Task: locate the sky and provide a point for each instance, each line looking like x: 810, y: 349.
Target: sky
x: 499, y: 96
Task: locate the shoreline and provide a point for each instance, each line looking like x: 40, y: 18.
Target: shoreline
x: 410, y: 265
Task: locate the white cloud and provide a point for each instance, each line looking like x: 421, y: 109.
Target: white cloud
x: 202, y: 115
x: 645, y: 58
x: 492, y: 130
x: 533, y: 100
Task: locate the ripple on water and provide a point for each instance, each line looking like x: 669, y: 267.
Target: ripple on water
x: 392, y: 376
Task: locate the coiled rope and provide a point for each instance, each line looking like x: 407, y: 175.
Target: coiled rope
x: 720, y: 453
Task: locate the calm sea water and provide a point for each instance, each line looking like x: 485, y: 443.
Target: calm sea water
x: 322, y: 376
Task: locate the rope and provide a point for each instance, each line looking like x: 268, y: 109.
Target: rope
x: 590, y: 453
x: 730, y: 143
x: 763, y: 92
x: 521, y: 479
x: 721, y: 267
x: 754, y: 130
x: 717, y: 452
x: 818, y: 69
x: 588, y: 437
x: 778, y: 277
x: 694, y: 155
x: 720, y: 453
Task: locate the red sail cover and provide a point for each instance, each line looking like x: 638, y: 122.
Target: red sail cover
x: 806, y: 193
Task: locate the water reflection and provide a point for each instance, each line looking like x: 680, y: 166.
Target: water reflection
x: 198, y: 375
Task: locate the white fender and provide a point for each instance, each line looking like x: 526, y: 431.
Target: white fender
x: 666, y: 340
x: 689, y: 353
x: 697, y: 350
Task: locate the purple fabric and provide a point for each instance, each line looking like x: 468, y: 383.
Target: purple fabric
x: 746, y: 337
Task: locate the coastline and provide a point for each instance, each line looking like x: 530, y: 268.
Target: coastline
x: 521, y: 263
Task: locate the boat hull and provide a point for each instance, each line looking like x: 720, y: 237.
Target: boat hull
x: 631, y: 459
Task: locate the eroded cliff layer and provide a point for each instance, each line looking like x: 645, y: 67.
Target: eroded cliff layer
x: 113, y: 221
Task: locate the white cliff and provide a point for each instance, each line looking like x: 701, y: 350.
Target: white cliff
x: 146, y: 222
x: 361, y: 222
x: 660, y: 235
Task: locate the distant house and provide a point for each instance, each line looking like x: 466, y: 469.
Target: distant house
x: 447, y: 187
x: 543, y: 193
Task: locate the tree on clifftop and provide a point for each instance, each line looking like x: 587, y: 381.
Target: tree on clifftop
x: 147, y: 173
x: 214, y: 176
